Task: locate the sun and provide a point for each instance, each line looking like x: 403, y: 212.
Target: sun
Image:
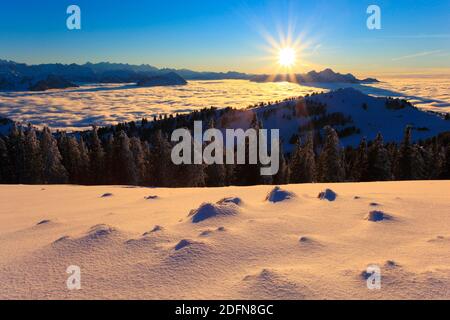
x: 287, y: 57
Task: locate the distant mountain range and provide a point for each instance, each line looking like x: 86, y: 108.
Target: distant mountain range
x: 20, y: 76
x: 326, y: 75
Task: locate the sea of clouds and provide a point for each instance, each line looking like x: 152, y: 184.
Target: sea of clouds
x: 79, y: 108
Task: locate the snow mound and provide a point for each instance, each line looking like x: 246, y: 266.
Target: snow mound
x: 205, y: 233
x: 377, y: 216
x: 271, y: 284
x: 237, y: 201
x: 100, y: 231
x: 328, y: 194
x: 304, y: 239
x: 277, y: 195
x: 43, y: 222
x: 106, y: 195
x: 440, y: 239
x: 308, y: 242
x: 183, y: 244
x: 211, y: 210
x: 155, y: 229
x: 61, y: 239
x: 391, y: 264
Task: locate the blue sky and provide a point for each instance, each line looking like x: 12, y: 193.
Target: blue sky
x: 223, y: 35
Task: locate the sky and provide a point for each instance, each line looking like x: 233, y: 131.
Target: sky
x: 223, y: 35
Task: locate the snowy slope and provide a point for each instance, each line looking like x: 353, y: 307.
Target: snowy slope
x: 376, y: 117
x: 243, y: 247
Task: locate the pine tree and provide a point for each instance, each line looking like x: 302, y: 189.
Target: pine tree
x: 190, y: 175
x: 32, y: 158
x: 124, y: 165
x: 139, y: 159
x: 379, y: 162
x: 419, y: 158
x: 282, y: 176
x: 331, y: 168
x: 109, y: 162
x: 360, y: 170
x: 84, y: 162
x: 5, y: 168
x: 215, y: 174
x: 445, y: 174
x: 303, y: 163
x: 53, y: 171
x: 97, y: 159
x: 71, y: 156
x: 435, y: 163
x: 147, y: 173
x: 405, y: 154
x: 16, y: 151
x: 249, y: 174
x: 161, y: 165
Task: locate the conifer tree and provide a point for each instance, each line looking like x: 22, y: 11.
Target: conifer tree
x: 445, y: 174
x: 331, y: 168
x: 53, y: 171
x: 249, y: 174
x: 282, y: 176
x: 16, y: 152
x: 405, y: 154
x: 97, y: 159
x: 303, y: 164
x: 215, y: 174
x: 124, y: 165
x: 379, y: 162
x: 139, y: 159
x: 84, y: 162
x: 109, y: 162
x: 361, y: 166
x: 32, y: 158
x: 5, y: 169
x: 70, y: 152
x: 161, y: 165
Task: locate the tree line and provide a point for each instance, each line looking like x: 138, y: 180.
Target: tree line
x: 31, y: 156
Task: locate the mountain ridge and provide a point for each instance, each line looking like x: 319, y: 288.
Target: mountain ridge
x: 16, y: 76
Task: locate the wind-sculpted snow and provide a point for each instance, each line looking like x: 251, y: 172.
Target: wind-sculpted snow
x: 211, y: 210
x: 278, y: 195
x: 130, y: 248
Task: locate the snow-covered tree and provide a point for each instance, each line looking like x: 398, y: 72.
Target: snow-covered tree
x: 97, y: 159
x: 379, y: 162
x: 282, y: 176
x: 360, y: 170
x: 160, y: 165
x: 53, y: 171
x: 109, y: 175
x: 331, y: 168
x: 215, y: 174
x: 84, y: 162
x: 303, y: 163
x: 32, y: 158
x: 124, y: 166
x: 16, y: 151
x: 5, y: 169
x: 139, y: 158
x: 71, y: 156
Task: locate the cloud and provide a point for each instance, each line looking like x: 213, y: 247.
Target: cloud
x: 416, y: 55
